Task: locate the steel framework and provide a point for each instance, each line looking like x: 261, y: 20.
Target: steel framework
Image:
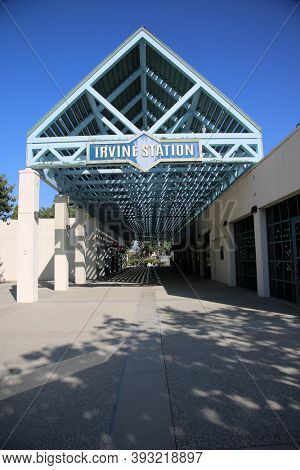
x: 144, y: 86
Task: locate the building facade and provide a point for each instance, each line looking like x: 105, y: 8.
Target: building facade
x: 250, y: 236
x: 147, y: 148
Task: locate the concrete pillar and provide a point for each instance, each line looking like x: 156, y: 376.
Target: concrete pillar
x: 27, y: 269
x: 201, y: 262
x: 261, y: 248
x: 80, y: 247
x: 61, y: 262
x: 100, y: 249
x: 193, y: 256
x: 201, y: 258
x: 230, y: 252
x: 213, y: 265
x: 91, y: 253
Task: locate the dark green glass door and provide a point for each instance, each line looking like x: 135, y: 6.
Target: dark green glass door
x: 296, y: 252
x: 206, y: 255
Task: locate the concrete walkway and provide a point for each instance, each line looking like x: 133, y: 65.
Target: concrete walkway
x: 149, y: 359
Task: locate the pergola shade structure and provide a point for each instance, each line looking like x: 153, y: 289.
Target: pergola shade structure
x: 144, y: 87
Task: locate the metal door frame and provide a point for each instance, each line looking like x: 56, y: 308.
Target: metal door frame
x: 295, y: 221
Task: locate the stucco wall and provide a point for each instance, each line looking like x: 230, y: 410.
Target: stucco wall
x: 275, y: 177
x: 8, y: 250
x: 46, y: 248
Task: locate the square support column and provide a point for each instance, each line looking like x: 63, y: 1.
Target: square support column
x: 100, y: 249
x: 231, y: 263
x: 27, y: 270
x: 201, y: 262
x: 80, y: 247
x: 193, y: 255
x: 91, y: 252
x: 61, y: 262
x: 261, y: 248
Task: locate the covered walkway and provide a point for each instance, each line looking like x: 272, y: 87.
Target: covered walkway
x: 149, y: 359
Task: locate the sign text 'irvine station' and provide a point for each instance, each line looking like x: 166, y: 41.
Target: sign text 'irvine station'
x: 143, y: 151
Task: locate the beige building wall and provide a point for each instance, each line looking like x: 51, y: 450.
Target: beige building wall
x: 275, y: 177
x: 46, y: 240
x: 8, y: 250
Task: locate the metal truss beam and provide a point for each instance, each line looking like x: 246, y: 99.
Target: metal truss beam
x: 162, y: 200
x: 113, y: 110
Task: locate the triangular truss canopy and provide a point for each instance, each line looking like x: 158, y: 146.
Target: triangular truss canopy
x: 144, y: 87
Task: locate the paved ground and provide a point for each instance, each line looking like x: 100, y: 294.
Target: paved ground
x: 149, y: 360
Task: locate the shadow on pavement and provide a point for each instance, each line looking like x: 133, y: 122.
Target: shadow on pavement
x: 232, y: 366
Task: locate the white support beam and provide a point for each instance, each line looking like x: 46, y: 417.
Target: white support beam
x: 142, y: 47
x: 27, y: 274
x: 192, y: 110
x: 261, y: 249
x: 124, y: 110
x: 112, y: 127
x: 124, y: 85
x: 113, y: 110
x: 250, y: 150
x: 96, y: 112
x: 78, y: 152
x: 103, y: 120
x: 222, y: 102
x: 91, y: 80
x: 100, y: 108
x: 212, y: 150
x: 214, y: 136
x: 174, y: 108
x: 82, y: 125
x: 231, y: 152
x: 40, y: 154
x: 131, y: 103
x: 55, y: 153
x: 61, y: 262
x: 137, y: 117
x: 230, y: 252
x: 142, y: 37
x: 91, y: 249
x: 80, y: 247
x: 200, y: 117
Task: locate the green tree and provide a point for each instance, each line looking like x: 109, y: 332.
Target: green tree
x: 15, y: 212
x: 47, y: 212
x: 72, y: 211
x: 6, y: 199
x: 44, y: 212
x: 147, y: 247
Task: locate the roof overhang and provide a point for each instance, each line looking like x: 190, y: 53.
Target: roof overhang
x: 144, y: 89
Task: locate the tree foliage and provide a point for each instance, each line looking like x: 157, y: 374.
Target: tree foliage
x: 6, y: 199
x: 45, y: 212
x: 15, y: 212
x: 146, y: 248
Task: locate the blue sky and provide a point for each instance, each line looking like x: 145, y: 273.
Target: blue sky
x: 223, y: 40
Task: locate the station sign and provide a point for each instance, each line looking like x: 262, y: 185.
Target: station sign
x: 144, y: 151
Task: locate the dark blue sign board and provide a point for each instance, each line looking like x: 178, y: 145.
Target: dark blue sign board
x: 144, y: 151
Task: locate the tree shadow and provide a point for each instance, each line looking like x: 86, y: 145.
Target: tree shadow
x: 233, y: 374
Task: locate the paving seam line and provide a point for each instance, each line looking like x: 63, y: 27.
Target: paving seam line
x: 238, y: 357
x: 28, y: 408
x: 109, y: 445
x: 164, y: 360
